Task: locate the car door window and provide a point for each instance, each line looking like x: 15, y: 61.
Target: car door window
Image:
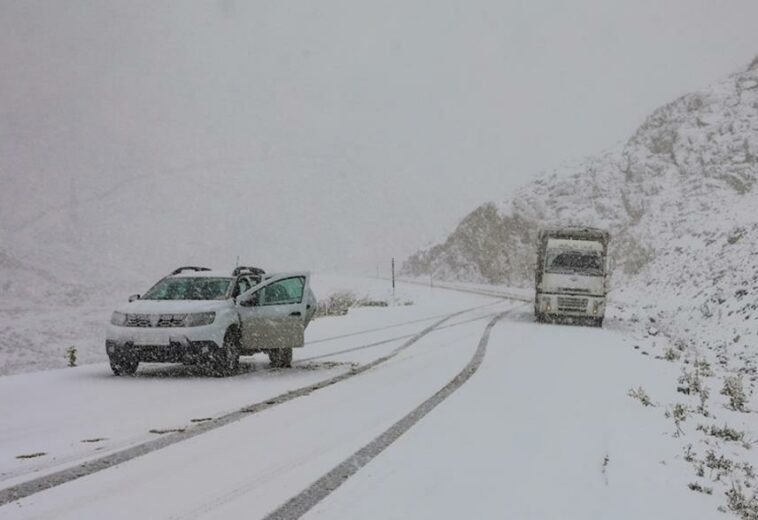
x: 282, y: 292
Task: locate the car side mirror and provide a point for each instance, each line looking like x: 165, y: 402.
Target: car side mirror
x: 133, y: 297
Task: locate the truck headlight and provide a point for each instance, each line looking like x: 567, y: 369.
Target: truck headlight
x: 198, y: 319
x: 118, y: 318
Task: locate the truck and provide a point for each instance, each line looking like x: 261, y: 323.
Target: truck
x: 571, y: 275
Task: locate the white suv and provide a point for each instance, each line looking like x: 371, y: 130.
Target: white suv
x: 199, y: 315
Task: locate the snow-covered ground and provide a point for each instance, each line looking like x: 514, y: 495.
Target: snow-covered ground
x: 544, y: 429
x: 57, y: 412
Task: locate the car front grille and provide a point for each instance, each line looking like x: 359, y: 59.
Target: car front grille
x: 171, y: 320
x: 138, y: 320
x: 569, y: 304
x: 151, y: 320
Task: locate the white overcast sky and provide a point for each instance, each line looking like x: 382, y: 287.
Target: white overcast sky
x: 385, y: 122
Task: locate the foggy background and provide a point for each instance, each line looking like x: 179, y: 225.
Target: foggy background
x: 320, y: 135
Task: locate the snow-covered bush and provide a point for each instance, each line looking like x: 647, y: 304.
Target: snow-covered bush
x: 746, y: 507
x: 734, y: 391
x: 640, y: 394
x: 338, y: 303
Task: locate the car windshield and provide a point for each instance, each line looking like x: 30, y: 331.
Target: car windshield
x: 574, y: 262
x: 188, y: 288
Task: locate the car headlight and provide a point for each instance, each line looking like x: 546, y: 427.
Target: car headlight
x: 199, y: 318
x: 118, y: 318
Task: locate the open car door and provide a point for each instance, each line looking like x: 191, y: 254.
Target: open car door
x: 274, y: 312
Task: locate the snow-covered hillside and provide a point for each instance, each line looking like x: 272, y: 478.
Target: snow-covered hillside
x: 684, y: 180
x: 679, y: 198
x: 681, y: 201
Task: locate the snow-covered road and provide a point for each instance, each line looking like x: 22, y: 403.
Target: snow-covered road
x: 544, y: 429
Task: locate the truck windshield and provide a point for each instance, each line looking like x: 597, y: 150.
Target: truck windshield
x: 187, y: 288
x: 587, y: 263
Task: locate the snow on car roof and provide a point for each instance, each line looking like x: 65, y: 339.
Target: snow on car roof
x: 202, y: 274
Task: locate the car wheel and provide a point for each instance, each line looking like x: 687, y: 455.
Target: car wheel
x: 280, y: 357
x: 226, y: 360
x: 123, y: 366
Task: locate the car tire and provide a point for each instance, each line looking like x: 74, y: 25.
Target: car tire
x: 123, y: 366
x: 226, y: 360
x: 280, y: 357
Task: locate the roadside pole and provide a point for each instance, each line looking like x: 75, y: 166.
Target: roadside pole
x: 393, y: 280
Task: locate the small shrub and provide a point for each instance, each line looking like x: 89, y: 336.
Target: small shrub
x: 679, y: 413
x: 641, y: 396
x: 71, y: 356
x: 339, y: 303
x: 696, y: 486
x: 725, y: 432
x: 703, y: 368
x: 745, y: 507
x: 720, y: 465
x: 671, y: 355
x: 733, y: 390
x: 688, y: 455
x: 690, y: 383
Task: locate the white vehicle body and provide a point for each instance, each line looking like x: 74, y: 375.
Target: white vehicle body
x: 571, y: 274
x: 254, y: 314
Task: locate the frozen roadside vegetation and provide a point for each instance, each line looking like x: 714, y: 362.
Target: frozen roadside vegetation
x: 339, y: 302
x: 713, y: 416
x: 680, y: 200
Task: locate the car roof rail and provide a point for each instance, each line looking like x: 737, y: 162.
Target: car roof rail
x: 243, y: 269
x: 188, y: 268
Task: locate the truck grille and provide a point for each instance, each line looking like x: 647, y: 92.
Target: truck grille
x: 569, y: 304
x: 573, y: 290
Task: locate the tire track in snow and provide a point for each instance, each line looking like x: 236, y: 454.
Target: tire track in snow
x: 303, y: 502
x: 55, y: 479
x: 395, y: 325
x: 385, y: 341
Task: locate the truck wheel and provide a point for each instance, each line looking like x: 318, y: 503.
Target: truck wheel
x: 226, y: 360
x: 123, y: 366
x: 280, y: 357
x: 539, y: 317
x: 598, y: 322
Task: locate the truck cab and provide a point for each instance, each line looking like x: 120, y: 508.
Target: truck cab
x: 571, y: 274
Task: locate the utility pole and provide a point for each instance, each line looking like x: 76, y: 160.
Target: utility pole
x: 393, y: 280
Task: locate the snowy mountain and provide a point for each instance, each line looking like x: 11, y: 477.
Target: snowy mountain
x: 681, y: 202
x: 678, y: 197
